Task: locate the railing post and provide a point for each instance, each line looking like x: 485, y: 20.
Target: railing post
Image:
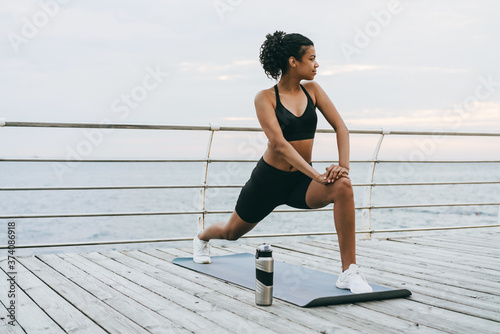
x: 366, y: 213
x: 201, y: 218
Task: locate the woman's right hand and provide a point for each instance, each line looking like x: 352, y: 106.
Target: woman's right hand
x: 320, y: 178
x: 323, y: 178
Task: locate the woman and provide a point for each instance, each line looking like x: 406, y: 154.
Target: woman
x: 284, y: 174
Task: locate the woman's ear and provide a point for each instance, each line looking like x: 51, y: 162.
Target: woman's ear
x: 292, y: 62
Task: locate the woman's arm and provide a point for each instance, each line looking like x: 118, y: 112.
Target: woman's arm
x: 333, y: 117
x: 270, y: 125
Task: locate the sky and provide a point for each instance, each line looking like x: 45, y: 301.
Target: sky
x: 405, y: 65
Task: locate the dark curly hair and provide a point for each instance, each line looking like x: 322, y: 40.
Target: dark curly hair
x: 278, y: 48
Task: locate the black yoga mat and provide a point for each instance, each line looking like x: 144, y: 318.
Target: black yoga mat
x: 295, y: 284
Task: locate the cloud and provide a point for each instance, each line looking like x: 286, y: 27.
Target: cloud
x: 332, y: 70
x: 92, y: 52
x: 205, y: 67
x: 482, y: 115
x: 336, y: 69
x: 236, y: 70
x: 87, y: 24
x: 231, y: 77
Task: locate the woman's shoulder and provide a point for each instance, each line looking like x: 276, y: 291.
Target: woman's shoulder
x: 312, y: 86
x: 265, y: 95
x: 313, y: 89
x: 265, y: 101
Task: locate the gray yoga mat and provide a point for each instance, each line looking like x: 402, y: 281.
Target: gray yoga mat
x: 298, y: 285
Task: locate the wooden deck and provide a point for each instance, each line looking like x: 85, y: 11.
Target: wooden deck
x: 454, y: 278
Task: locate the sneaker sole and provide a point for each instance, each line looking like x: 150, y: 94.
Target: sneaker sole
x: 341, y: 285
x: 202, y: 261
x: 346, y: 287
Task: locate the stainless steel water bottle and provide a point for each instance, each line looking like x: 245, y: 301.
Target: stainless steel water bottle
x: 264, y: 267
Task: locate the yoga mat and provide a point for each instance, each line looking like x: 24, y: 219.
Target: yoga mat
x: 298, y: 285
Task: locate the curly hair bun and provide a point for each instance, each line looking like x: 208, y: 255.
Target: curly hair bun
x: 272, y: 54
x: 278, y: 48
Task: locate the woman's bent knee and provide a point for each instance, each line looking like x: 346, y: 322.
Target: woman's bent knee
x: 342, y: 188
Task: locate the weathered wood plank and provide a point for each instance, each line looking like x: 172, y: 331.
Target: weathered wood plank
x: 438, y: 318
x: 423, y: 256
x: 134, y: 290
x: 410, y: 245
x: 454, y: 277
x: 128, y: 307
x: 280, y: 309
x: 457, y: 275
x: 5, y: 327
x: 94, y: 308
x: 387, y: 272
x: 172, y: 287
x: 449, y: 276
x: 243, y: 314
x: 455, y: 247
x: 346, y: 315
x: 469, y: 277
x: 454, y: 243
x: 28, y: 315
x: 478, y: 240
x: 70, y: 320
x: 382, y: 322
x: 14, y: 326
x: 431, y: 253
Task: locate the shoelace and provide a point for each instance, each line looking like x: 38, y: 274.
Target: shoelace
x: 357, y: 272
x: 203, y: 247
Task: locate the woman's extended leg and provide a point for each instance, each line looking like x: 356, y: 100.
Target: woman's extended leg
x: 339, y: 192
x: 230, y: 230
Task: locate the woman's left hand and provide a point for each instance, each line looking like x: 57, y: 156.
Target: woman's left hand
x: 334, y: 172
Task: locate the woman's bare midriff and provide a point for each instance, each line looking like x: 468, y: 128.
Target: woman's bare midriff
x: 303, y: 147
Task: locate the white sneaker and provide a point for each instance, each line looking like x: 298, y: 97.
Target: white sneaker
x: 201, y: 251
x: 353, y: 280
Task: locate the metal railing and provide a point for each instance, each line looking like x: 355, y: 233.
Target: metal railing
x: 366, y: 208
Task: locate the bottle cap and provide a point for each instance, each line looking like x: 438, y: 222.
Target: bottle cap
x: 264, y: 250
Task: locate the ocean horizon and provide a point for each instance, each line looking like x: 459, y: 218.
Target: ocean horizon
x: 85, y: 229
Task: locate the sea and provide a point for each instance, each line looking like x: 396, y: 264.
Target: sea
x: 15, y: 203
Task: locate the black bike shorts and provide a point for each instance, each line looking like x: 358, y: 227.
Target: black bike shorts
x: 269, y: 187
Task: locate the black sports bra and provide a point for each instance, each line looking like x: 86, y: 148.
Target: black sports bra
x: 293, y: 127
